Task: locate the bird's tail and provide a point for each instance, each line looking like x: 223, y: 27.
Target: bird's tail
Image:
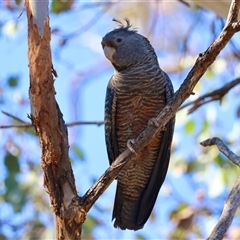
x: 126, y: 212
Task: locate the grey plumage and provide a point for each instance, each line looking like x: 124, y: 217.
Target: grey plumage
x: 137, y: 92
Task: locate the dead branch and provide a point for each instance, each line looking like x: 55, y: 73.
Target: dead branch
x: 229, y: 210
x: 98, y: 123
x: 87, y: 26
x: 14, y: 117
x: 210, y: 97
x: 23, y: 124
x: 29, y: 125
x: 222, y: 148
x: 233, y: 200
x: 16, y: 126
x: 48, y: 122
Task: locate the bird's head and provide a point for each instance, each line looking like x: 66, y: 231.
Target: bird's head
x: 124, y: 47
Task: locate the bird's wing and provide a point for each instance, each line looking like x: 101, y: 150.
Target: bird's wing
x: 160, y: 168
x: 110, y: 133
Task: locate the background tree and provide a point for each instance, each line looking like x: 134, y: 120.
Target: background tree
x: 199, y: 179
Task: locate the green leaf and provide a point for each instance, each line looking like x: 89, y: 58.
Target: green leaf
x: 2, y: 237
x: 10, y: 28
x: 17, y: 198
x: 220, y: 161
x: 11, y: 163
x: 59, y: 6
x: 88, y: 227
x: 30, y: 131
x: 78, y: 152
x: 205, y: 126
x: 178, y: 233
x: 189, y: 127
x: 10, y: 182
x: 140, y: 237
x: 18, y: 2
x: 209, y: 74
x: 176, y: 211
x: 152, y: 217
x: 195, y: 166
x: 36, y: 226
x: 14, y: 194
x: 13, y: 81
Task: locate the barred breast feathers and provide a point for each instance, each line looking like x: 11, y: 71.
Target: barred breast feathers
x: 144, y: 77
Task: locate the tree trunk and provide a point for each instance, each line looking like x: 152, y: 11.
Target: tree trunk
x: 48, y: 121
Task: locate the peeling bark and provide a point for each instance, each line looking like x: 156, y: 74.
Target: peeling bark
x: 50, y: 126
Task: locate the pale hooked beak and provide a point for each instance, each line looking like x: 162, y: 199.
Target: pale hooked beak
x: 109, y: 51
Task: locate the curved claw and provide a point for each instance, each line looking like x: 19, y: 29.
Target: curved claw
x: 153, y: 122
x: 130, y: 142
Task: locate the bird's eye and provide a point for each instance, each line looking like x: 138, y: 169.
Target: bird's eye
x: 119, y: 40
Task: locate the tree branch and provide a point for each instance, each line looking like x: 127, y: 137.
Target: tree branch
x: 17, y: 126
x: 222, y: 148
x: 212, y: 96
x: 204, y: 99
x: 229, y: 210
x: 30, y: 125
x: 202, y: 63
x: 233, y: 200
x: 48, y: 121
x: 88, y: 25
x: 14, y: 117
x: 98, y: 123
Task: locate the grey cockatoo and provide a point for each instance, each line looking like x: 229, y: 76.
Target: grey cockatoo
x: 137, y: 92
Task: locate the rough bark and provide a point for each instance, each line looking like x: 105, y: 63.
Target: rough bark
x: 48, y: 122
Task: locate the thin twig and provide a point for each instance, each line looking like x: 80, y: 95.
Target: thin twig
x: 16, y: 126
x: 212, y: 96
x: 222, y: 148
x: 98, y: 123
x: 14, y: 117
x: 89, y: 24
x: 229, y: 210
x: 29, y: 125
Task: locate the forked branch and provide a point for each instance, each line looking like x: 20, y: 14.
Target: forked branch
x: 233, y: 200
x: 215, y: 95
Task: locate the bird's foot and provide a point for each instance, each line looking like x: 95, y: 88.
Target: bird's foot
x: 131, y: 142
x: 153, y: 122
